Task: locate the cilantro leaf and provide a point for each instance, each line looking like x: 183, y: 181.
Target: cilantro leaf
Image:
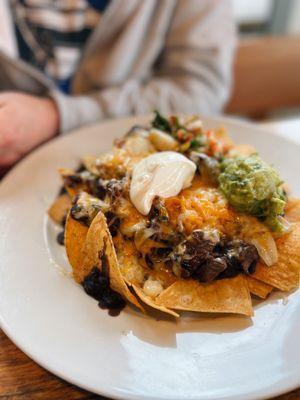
x: 160, y: 122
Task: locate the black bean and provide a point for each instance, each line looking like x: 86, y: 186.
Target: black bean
x: 72, y: 180
x: 61, y: 238
x: 113, y: 223
x: 148, y: 261
x: 96, y: 285
x: 111, y: 300
x: 100, y: 190
x: 63, y: 220
x: 80, y: 168
x: 97, y: 188
x: 62, y: 191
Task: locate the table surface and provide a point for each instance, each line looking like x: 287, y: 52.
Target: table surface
x: 21, y: 378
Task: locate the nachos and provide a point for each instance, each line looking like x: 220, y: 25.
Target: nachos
x: 179, y: 218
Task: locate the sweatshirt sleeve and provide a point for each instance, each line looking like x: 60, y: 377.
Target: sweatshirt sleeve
x: 192, y: 75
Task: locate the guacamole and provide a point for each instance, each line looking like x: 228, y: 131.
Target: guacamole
x: 253, y: 187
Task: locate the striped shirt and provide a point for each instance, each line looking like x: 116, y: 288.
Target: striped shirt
x: 51, y: 34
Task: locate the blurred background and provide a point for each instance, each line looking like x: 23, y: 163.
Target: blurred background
x: 267, y: 64
x: 266, y: 70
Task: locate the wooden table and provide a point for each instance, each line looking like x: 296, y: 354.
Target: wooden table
x: 21, y: 378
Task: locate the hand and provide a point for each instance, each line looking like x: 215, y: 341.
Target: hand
x: 25, y: 122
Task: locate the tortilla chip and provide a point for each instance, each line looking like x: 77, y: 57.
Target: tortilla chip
x: 223, y: 296
x: 258, y: 288
x: 242, y: 150
x: 75, y: 235
x: 222, y: 135
x: 92, y: 250
x: 90, y: 164
x: 134, y: 273
x: 147, y: 300
x: 286, y: 187
x: 74, y: 189
x: 283, y: 275
x: 98, y: 240
x: 292, y: 210
x: 59, y: 208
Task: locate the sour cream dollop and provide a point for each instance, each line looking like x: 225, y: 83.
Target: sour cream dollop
x: 162, y: 174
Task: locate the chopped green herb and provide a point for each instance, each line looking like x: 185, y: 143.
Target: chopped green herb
x: 160, y: 122
x: 197, y: 142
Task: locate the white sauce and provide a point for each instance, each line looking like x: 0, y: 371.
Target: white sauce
x: 162, y: 174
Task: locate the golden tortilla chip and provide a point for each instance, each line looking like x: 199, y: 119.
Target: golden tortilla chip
x: 134, y: 273
x: 59, y: 208
x: 150, y: 302
x: 98, y: 241
x: 75, y: 235
x: 222, y: 135
x: 283, y: 275
x: 223, y: 296
x: 242, y: 150
x: 90, y: 164
x: 92, y: 249
x: 292, y: 210
x: 72, y: 192
x: 74, y: 189
x: 258, y: 288
x: 286, y: 187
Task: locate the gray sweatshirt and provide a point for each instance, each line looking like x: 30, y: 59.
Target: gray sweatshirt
x: 173, y: 55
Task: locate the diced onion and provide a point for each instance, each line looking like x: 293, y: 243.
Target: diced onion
x: 255, y: 232
x: 286, y: 226
x: 152, y: 288
x: 266, y: 248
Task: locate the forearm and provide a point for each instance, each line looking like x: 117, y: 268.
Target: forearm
x: 193, y: 74
x: 75, y: 111
x: 179, y: 93
x: 26, y: 121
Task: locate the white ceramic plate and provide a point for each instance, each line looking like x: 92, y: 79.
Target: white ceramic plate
x: 134, y: 356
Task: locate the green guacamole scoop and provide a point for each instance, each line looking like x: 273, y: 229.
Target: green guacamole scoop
x: 253, y: 187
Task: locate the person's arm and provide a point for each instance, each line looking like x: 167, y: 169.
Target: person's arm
x: 193, y: 74
x: 25, y: 122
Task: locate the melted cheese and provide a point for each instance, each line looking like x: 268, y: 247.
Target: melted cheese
x: 199, y: 207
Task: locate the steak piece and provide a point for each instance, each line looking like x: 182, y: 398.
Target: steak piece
x: 193, y: 253
x: 240, y: 257
x: 205, y: 257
